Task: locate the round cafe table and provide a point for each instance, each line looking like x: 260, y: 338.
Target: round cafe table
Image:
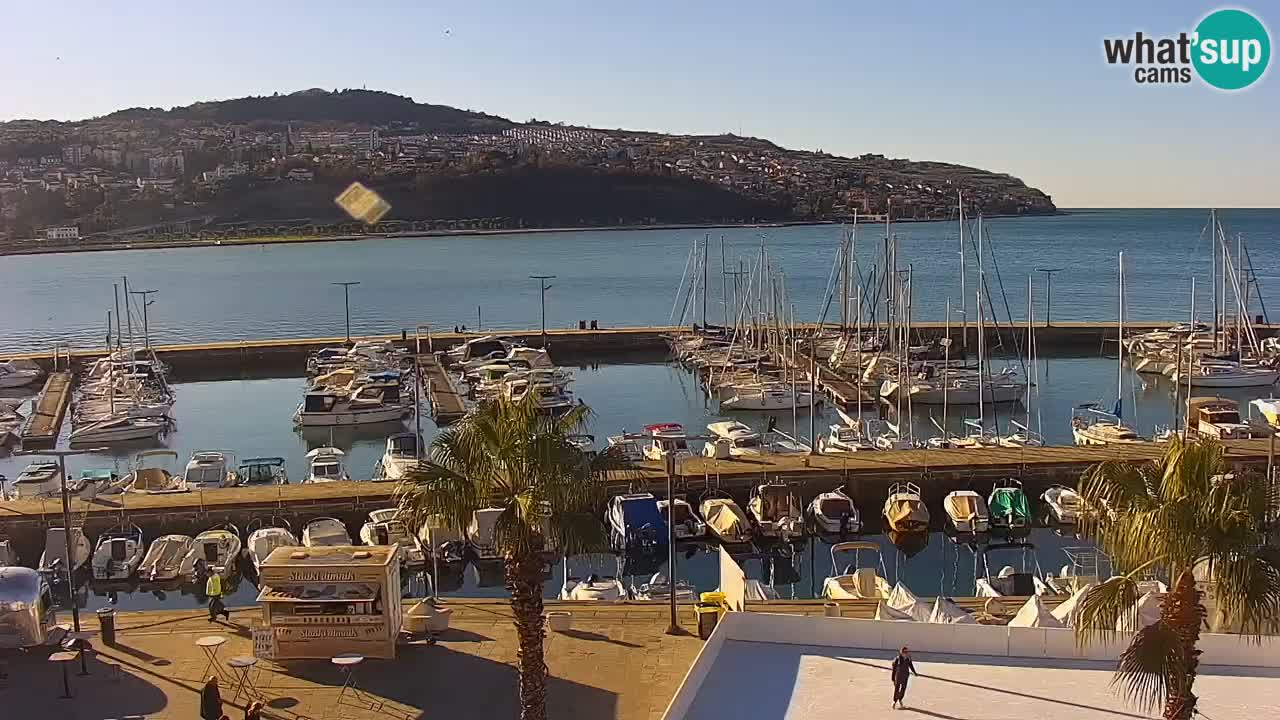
x: 242, y: 666
x: 347, y: 663
x: 211, y: 644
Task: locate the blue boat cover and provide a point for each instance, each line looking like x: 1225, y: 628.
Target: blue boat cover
x: 642, y: 512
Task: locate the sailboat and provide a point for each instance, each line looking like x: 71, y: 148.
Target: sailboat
x: 1091, y: 425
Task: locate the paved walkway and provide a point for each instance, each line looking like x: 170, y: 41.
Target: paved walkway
x: 617, y: 662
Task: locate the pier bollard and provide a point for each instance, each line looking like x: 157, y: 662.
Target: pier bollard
x: 831, y: 609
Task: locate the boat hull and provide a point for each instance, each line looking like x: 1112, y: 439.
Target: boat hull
x: 353, y: 417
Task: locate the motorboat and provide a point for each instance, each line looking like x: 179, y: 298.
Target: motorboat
x: 547, y: 396
x: 659, y: 588
x: 401, y: 455
x: 152, y: 473
x: 635, y: 524
x: 732, y: 439
x: 725, y: 520
x: 857, y: 580
x: 262, y: 471
x: 666, y: 439
x: 478, y: 347
x: 27, y: 611
x: 209, y: 469
x: 118, y: 428
x: 834, y: 513
x: 93, y: 481
x: 386, y: 528
x: 776, y: 512
x: 119, y: 553
x: 324, y: 464
x: 1217, y: 418
x: 967, y: 512
x: 482, y: 537
x: 629, y: 446
x: 1028, y: 580
x: 38, y: 480
x: 1010, y: 510
x: 323, y: 532
x: 266, y: 539
x: 687, y: 524
x: 846, y: 438
x: 593, y: 587
x: 12, y: 375
x: 218, y: 548
x: 1092, y: 426
x: 55, y: 550
x: 364, y: 405
x: 904, y: 511
x: 1208, y: 374
x: 1063, y: 503
x: 441, y: 545
x: 164, y: 558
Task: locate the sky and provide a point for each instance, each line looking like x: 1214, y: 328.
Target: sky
x: 1014, y: 87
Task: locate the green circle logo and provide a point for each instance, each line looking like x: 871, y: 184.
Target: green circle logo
x: 1232, y: 49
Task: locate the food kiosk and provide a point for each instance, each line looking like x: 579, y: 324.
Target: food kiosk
x: 319, y: 602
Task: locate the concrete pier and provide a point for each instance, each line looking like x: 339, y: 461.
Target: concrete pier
x: 41, y: 430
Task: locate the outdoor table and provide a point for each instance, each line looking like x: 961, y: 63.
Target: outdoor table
x: 348, y: 662
x: 62, y: 658
x: 80, y: 642
x: 211, y: 644
x: 242, y: 665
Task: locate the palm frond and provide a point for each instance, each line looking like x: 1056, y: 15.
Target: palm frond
x: 1151, y: 666
x: 1246, y: 587
x: 1103, y: 606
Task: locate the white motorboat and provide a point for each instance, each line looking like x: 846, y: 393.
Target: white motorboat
x: 1228, y: 375
x: 209, y: 470
x: 666, y: 439
x: 967, y: 512
x: 386, y: 528
x: 1064, y: 504
x: 768, y: 396
x: 687, y: 524
x: 152, y: 474
x: 441, y: 545
x: 1217, y: 418
x: 635, y: 524
x: 593, y: 588
x: 324, y: 464
x: 733, y: 439
x: 365, y: 405
x: 164, y: 558
x: 549, y: 397
x: 262, y: 471
x: 776, y: 511
x: 118, y: 428
x: 904, y: 510
x: 659, y: 588
x: 55, y: 543
x: 265, y: 539
x: 846, y: 438
x: 401, y: 455
x: 630, y: 446
x: 1091, y: 426
x: 857, y: 580
x: 119, y: 553
x: 12, y: 375
x: 40, y: 479
x: 219, y: 548
x: 322, y: 532
x: 725, y: 520
x: 1028, y: 580
x: 481, y: 535
x: 834, y: 513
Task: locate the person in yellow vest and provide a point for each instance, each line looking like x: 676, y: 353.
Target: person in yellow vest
x: 213, y: 588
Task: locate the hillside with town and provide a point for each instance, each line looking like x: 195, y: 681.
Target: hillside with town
x: 263, y: 166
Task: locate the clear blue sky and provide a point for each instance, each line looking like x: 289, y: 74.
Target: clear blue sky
x: 1017, y: 87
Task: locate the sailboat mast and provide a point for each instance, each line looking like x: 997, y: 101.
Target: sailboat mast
x: 115, y: 289
x: 1030, y: 343
x: 964, y: 299
x: 1213, y: 277
x: 844, y: 282
x: 858, y: 320
x: 1120, y: 343
x: 982, y: 374
x: 946, y: 365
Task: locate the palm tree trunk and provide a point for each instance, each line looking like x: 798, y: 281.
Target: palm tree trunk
x: 524, y: 582
x: 1181, y: 610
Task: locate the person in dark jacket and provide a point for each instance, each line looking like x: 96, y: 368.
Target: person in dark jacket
x: 903, y: 669
x: 211, y: 700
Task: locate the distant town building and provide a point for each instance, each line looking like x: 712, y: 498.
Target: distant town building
x: 70, y: 232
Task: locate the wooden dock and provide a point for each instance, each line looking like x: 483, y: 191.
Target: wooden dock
x: 42, y: 428
x: 446, y: 403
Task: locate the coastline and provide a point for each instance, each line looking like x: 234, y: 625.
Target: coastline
x: 193, y: 242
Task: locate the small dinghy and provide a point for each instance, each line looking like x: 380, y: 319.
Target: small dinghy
x: 967, y: 512
x: 834, y: 513
x: 164, y: 558
x: 1063, y: 503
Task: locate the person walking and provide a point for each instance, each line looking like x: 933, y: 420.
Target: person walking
x: 254, y: 711
x: 210, y: 700
x: 902, y: 669
x: 213, y: 589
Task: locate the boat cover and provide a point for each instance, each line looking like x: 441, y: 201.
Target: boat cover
x: 1069, y: 610
x: 775, y: 502
x: 167, y: 552
x: 153, y: 480
x: 885, y: 612
x: 643, y: 512
x: 1034, y: 613
x: 905, y: 512
x: 965, y: 507
x: 724, y: 517
x: 945, y: 611
x: 1007, y: 502
x: 901, y: 598
x: 1145, y: 612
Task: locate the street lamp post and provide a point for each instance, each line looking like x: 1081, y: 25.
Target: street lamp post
x: 62, y: 456
x: 146, y: 325
x: 1048, y: 293
x: 674, y: 627
x: 542, y: 281
x: 346, y: 303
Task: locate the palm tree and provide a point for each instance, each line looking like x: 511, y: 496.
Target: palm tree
x: 510, y: 456
x: 1186, y: 519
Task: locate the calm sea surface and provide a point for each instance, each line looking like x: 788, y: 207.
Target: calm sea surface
x: 617, y: 277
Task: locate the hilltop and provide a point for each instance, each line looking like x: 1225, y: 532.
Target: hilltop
x: 231, y: 166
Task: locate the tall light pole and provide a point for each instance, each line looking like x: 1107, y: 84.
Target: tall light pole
x: 146, y: 325
x: 62, y: 456
x: 346, y: 303
x: 674, y: 627
x: 1048, y: 293
x: 542, y: 280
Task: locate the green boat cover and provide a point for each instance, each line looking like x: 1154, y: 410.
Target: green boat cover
x: 1009, y: 503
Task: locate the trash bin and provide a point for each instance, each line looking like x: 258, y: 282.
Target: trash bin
x: 708, y: 614
x: 107, y: 625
